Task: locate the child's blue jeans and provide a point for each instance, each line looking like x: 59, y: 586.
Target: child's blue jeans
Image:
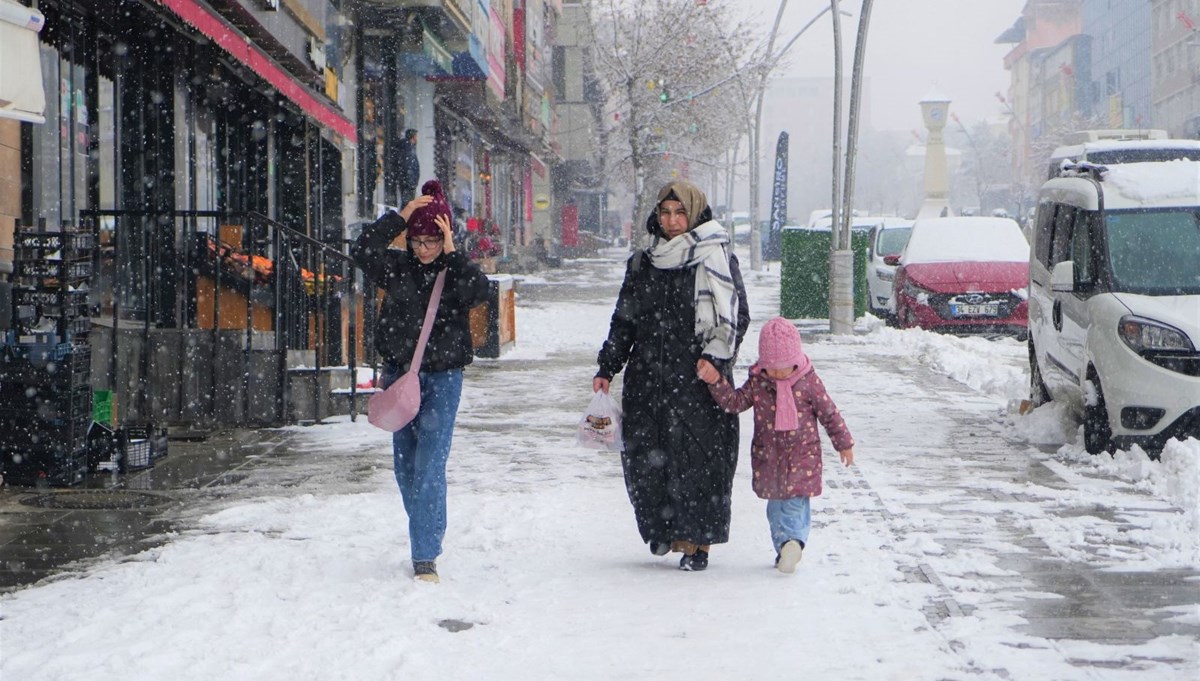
x: 789, y: 519
x: 419, y: 454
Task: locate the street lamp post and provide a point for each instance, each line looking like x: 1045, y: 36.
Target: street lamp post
x: 841, y: 257
x: 755, y: 135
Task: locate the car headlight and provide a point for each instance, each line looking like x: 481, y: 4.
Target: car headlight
x: 884, y: 275
x: 1144, y: 335
x: 913, y: 290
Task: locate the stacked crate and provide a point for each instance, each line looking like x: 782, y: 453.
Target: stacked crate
x: 45, y: 363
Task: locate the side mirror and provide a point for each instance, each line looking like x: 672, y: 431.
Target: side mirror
x: 892, y: 260
x: 1062, y: 278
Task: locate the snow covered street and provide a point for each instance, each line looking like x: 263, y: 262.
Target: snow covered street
x: 966, y: 542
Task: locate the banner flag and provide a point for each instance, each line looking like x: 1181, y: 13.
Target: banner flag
x: 772, y: 250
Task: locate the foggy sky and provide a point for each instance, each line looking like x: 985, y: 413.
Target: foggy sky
x: 914, y: 47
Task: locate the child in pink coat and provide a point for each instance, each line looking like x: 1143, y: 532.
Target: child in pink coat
x: 789, y: 400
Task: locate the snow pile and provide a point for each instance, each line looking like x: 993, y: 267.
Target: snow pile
x: 994, y: 367
x: 942, y: 240
x: 1052, y: 423
x: 1174, y: 478
x: 1151, y: 182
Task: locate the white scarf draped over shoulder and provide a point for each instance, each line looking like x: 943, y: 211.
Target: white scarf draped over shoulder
x: 715, y: 296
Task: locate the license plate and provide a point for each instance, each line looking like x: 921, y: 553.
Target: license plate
x: 989, y: 310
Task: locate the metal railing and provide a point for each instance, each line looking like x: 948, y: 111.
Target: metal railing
x: 186, y: 270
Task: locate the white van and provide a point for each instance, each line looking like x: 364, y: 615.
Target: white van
x: 1113, y: 151
x: 1114, y: 301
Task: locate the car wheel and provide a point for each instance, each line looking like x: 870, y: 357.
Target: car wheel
x: 1038, y: 393
x: 1097, y: 431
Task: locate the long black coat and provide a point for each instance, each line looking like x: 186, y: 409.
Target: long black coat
x: 407, y: 285
x: 681, y: 449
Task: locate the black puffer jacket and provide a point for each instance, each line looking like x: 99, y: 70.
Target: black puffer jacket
x: 681, y: 449
x: 407, y: 285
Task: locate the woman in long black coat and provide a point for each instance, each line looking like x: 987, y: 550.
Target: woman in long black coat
x: 682, y: 300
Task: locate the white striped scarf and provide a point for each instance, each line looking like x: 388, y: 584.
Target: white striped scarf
x: 715, y: 295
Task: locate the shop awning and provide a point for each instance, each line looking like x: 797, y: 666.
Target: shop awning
x: 212, y: 25
x: 21, y: 93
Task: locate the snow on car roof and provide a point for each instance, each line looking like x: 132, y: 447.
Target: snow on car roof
x: 973, y: 239
x: 1117, y: 145
x: 1133, y: 185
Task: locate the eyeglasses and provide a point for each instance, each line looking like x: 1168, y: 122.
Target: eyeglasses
x: 424, y: 243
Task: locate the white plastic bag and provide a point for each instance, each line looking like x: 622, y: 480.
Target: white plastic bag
x: 600, y: 427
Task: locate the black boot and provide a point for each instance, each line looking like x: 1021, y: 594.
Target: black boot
x: 660, y: 548
x: 694, y: 562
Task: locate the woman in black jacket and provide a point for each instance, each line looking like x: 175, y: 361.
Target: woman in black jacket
x: 421, y: 449
x: 682, y: 301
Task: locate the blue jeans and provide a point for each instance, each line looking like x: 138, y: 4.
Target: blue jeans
x: 789, y: 519
x: 419, y: 454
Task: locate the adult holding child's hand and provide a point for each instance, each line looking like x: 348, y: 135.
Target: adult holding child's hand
x: 682, y: 302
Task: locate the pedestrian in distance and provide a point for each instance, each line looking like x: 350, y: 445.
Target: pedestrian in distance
x: 410, y: 167
x: 421, y: 449
x: 682, y: 299
x: 789, y: 400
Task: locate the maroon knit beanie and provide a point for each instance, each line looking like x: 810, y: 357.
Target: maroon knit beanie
x: 421, y: 223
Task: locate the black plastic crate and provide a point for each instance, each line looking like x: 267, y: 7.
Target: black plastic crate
x: 53, y: 241
x: 45, y: 403
x: 49, y: 298
x: 60, y: 270
x: 69, y: 434
x: 36, y: 467
x: 42, y: 352
x: 65, y: 375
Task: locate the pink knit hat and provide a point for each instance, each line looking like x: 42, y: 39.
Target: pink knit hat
x: 779, y: 346
x: 421, y: 223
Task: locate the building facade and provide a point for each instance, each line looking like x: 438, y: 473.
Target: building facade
x: 1175, y: 55
x: 1121, y: 46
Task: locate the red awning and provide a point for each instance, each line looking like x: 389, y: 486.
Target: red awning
x: 210, y: 24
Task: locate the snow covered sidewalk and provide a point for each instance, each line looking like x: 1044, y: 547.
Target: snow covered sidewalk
x: 940, y: 555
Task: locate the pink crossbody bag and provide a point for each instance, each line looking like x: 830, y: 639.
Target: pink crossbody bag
x: 394, y: 408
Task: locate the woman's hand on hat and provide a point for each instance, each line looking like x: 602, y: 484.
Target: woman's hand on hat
x: 419, y: 202
x: 447, y: 228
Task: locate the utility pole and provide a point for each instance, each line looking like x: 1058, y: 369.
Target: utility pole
x: 841, y: 263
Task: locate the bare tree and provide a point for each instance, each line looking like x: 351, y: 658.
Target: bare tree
x: 672, y: 69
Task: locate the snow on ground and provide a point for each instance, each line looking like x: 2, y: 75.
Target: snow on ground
x: 294, y: 577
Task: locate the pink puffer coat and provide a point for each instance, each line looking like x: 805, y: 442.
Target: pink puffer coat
x: 786, y: 463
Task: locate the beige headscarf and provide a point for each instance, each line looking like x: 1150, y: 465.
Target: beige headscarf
x: 689, y: 195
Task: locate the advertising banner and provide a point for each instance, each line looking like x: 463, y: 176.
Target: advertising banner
x: 771, y: 250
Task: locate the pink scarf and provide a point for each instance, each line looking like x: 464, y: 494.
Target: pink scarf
x: 786, y: 415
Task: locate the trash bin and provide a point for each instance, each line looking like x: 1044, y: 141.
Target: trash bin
x: 804, y: 274
x: 494, y: 323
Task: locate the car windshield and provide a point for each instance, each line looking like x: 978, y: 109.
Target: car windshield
x: 1155, y: 253
x: 891, y: 241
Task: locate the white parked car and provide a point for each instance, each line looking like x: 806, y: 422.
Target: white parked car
x: 887, y: 239
x: 1114, y: 301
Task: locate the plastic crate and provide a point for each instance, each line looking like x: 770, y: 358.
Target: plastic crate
x: 142, y: 440
x: 48, y: 404
x: 35, y: 467
x: 60, y: 270
x: 68, y: 435
x: 102, y: 406
x: 67, y: 374
x: 52, y: 241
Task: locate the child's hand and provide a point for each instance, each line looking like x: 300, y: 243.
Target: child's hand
x: 847, y: 456
x: 707, y: 372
